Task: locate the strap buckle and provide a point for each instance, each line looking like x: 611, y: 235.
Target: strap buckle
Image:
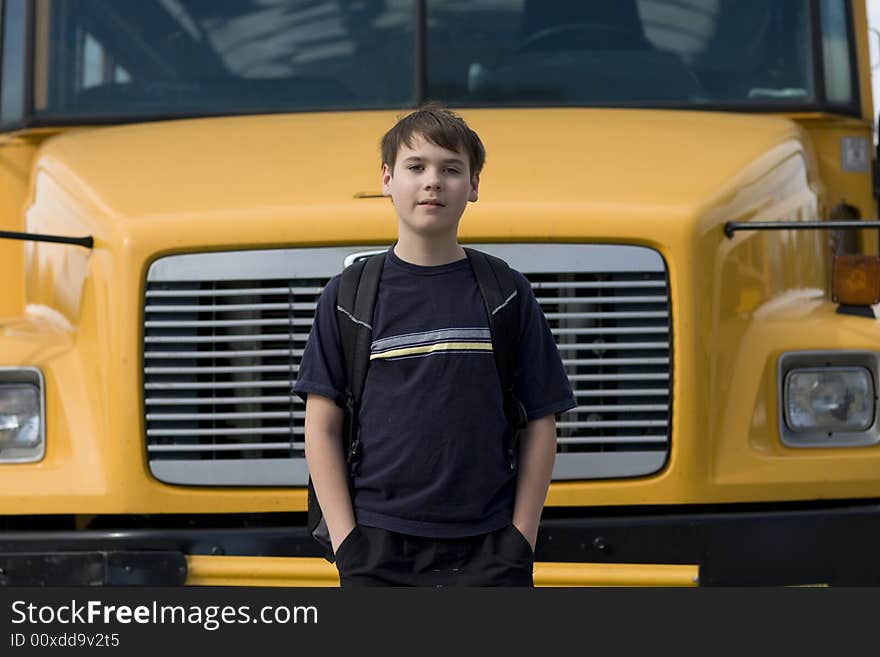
x: 353, y: 450
x: 354, y: 442
x: 517, y: 420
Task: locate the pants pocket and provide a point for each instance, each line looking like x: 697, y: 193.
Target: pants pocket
x: 523, y: 542
x: 343, y: 549
x: 515, y: 545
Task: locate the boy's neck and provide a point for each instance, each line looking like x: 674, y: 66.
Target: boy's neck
x: 428, y: 252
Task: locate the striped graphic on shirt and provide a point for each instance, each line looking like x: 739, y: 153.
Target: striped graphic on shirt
x: 427, y: 343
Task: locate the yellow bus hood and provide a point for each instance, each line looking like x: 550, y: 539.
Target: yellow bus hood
x: 605, y: 166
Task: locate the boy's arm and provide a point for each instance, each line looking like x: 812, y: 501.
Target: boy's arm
x: 537, y: 453
x: 327, y: 465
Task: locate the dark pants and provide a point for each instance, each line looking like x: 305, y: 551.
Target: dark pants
x: 376, y: 557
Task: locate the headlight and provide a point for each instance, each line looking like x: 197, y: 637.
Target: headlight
x: 832, y: 399
x: 828, y: 398
x: 22, y: 431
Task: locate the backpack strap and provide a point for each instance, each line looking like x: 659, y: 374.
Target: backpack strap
x: 498, y: 289
x: 356, y: 298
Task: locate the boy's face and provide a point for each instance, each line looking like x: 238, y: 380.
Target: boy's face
x: 430, y: 187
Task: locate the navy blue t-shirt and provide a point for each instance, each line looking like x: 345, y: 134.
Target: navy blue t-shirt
x: 432, y: 460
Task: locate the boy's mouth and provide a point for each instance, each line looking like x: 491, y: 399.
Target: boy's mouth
x: 432, y: 202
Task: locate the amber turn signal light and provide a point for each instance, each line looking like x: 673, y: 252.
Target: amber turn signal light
x: 855, y: 280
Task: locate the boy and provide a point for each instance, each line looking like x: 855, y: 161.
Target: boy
x: 432, y: 499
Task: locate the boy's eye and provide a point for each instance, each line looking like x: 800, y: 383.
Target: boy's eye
x: 416, y: 167
x: 452, y: 170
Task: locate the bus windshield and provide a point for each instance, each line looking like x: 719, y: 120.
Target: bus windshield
x: 105, y: 58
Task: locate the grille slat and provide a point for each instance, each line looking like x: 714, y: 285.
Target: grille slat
x: 607, y: 316
x: 630, y: 440
x: 219, y: 323
x: 195, y: 292
x: 658, y: 376
x: 616, y: 346
x: 635, y: 392
x: 615, y: 361
x: 545, y: 300
x: 221, y: 355
x: 266, y: 415
x: 250, y: 337
x: 591, y: 285
x: 562, y: 424
x: 219, y: 370
x: 238, y: 447
x: 610, y: 330
x: 192, y: 401
x: 194, y: 385
x: 274, y: 431
x: 620, y: 407
x: 239, y: 353
x: 232, y: 307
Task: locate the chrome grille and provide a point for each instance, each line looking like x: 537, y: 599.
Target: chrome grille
x: 612, y: 330
x: 224, y: 334
x: 219, y: 358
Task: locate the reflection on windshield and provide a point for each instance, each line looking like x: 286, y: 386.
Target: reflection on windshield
x: 167, y: 57
x: 189, y: 56
x: 620, y: 51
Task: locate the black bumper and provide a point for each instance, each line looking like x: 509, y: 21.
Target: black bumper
x: 132, y: 568
x: 139, y: 557
x: 836, y: 545
x: 831, y: 544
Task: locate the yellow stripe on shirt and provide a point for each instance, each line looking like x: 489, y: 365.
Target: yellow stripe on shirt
x: 430, y: 348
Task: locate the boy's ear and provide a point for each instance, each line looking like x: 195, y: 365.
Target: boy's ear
x: 475, y: 184
x: 386, y: 180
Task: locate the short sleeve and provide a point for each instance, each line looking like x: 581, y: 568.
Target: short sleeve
x: 542, y: 386
x: 322, y: 369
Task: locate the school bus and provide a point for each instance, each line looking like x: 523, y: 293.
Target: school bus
x: 678, y: 180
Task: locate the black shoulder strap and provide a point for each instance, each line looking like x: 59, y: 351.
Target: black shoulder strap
x: 498, y: 289
x: 355, y: 301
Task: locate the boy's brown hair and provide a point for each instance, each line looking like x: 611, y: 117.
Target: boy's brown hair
x: 440, y: 126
